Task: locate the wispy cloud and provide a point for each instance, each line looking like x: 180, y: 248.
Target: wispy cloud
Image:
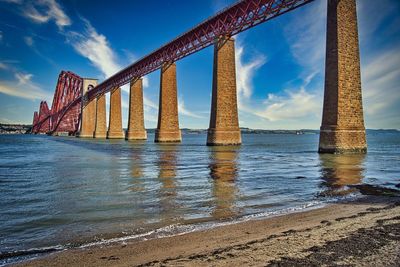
x: 305, y: 34
x: 292, y: 106
x: 182, y: 109
x: 23, y: 87
x: 288, y: 106
x: 1, y: 36
x: 96, y: 48
x: 245, y: 72
x: 12, y: 1
x: 381, y: 87
x: 43, y: 11
x: 28, y: 41
x: 3, y: 66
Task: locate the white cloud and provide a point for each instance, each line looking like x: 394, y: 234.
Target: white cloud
x: 182, y: 110
x: 305, y: 34
x: 23, y: 79
x: 381, y: 87
x: 96, y: 48
x: 370, y: 20
x: 43, y: 11
x: 294, y: 105
x: 24, y: 87
x: 287, y: 108
x: 1, y: 36
x: 12, y: 1
x: 28, y: 40
x: 245, y: 72
x: 3, y: 66
x: 6, y: 121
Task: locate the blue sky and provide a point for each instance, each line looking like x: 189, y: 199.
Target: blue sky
x: 280, y: 64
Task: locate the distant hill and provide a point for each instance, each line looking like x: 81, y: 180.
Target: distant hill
x: 15, y: 128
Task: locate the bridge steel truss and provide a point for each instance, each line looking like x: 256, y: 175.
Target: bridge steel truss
x: 65, y: 112
x: 64, y: 115
x: 230, y: 21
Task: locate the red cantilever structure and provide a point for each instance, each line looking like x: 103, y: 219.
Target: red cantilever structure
x: 65, y: 111
x: 230, y: 21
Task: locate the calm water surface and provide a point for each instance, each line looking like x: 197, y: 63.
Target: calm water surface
x: 70, y: 192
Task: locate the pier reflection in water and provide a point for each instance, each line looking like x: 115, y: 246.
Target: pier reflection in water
x: 137, y: 166
x: 70, y: 190
x: 167, y: 163
x: 338, y: 171
x: 224, y: 171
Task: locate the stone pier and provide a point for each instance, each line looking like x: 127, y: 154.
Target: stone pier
x: 115, y: 119
x: 342, y: 128
x: 168, y: 122
x: 136, y: 130
x: 224, y: 122
x: 88, y: 110
x: 101, y: 123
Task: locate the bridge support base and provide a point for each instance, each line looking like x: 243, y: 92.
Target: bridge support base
x: 88, y: 111
x: 342, y: 128
x: 136, y: 130
x: 88, y: 120
x: 168, y: 121
x: 224, y: 123
x: 101, y: 123
x: 115, y: 122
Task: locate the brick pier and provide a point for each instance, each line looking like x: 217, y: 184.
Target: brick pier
x: 224, y: 123
x: 101, y: 123
x: 342, y: 128
x: 168, y: 121
x: 88, y: 112
x: 115, y: 122
x: 136, y: 130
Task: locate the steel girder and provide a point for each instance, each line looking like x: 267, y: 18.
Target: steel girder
x: 230, y: 21
x: 65, y: 110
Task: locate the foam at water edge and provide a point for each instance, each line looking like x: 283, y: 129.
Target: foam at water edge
x: 175, y: 229
x: 180, y: 229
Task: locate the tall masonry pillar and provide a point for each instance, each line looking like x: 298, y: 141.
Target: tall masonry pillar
x: 224, y: 123
x: 168, y: 122
x: 115, y: 120
x: 136, y: 130
x: 88, y: 110
x: 342, y: 128
x: 101, y: 123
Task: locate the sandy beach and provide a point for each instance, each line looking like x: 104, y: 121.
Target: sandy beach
x: 365, y: 232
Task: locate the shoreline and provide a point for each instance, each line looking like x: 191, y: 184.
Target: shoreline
x: 298, y: 238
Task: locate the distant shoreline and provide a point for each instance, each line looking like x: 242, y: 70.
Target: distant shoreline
x: 25, y: 129
x: 15, y: 128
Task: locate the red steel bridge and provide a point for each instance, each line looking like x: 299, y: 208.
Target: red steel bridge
x: 64, y: 115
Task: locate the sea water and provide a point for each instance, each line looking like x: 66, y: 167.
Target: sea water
x: 61, y: 192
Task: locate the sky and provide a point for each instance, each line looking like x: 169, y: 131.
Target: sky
x: 280, y: 64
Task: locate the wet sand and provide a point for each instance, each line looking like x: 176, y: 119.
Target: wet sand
x: 365, y: 232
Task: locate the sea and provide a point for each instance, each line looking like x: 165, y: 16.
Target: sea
x: 58, y: 193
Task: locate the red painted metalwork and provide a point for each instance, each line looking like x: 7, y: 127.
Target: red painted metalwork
x: 65, y: 111
x: 35, y: 121
x: 43, y: 126
x: 230, y: 21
